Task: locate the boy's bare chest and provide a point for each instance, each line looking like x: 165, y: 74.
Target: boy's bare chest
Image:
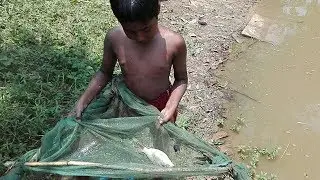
x: 145, y: 62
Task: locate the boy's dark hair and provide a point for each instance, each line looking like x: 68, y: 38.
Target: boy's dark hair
x: 135, y: 10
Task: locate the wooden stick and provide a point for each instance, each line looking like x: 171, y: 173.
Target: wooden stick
x: 78, y: 163
x: 245, y: 95
x: 62, y: 163
x: 207, y: 170
x: 285, y: 151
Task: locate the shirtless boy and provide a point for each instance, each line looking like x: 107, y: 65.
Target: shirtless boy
x: 145, y: 52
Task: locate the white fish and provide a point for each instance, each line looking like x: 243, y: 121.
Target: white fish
x: 158, y: 157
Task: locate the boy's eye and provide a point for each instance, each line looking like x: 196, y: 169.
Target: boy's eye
x: 130, y: 32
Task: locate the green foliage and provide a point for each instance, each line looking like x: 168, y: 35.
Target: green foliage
x: 49, y: 50
x: 183, y: 121
x: 265, y: 176
x: 253, y: 154
x: 240, y: 122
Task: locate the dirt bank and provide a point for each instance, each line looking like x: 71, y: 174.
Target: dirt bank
x: 207, y: 27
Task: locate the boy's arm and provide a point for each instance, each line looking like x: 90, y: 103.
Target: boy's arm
x: 100, y: 79
x: 180, y: 83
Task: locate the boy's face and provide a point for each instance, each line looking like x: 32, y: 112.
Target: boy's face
x: 141, y: 32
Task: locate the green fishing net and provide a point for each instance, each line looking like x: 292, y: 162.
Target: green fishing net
x: 107, y: 143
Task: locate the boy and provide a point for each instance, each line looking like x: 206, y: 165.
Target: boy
x: 145, y: 52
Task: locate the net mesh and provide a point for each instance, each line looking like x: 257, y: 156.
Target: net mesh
x: 107, y: 142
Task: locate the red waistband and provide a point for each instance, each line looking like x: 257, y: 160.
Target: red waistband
x: 161, y: 101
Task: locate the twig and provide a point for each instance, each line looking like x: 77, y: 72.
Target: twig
x: 232, y: 89
x: 241, y: 51
x: 247, y: 96
x: 285, y: 150
x: 9, y: 165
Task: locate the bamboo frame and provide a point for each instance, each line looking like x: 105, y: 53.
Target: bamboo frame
x: 210, y: 170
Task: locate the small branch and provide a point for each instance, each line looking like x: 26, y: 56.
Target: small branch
x: 247, y: 96
x: 285, y: 151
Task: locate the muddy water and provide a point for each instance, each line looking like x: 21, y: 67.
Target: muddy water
x: 284, y: 80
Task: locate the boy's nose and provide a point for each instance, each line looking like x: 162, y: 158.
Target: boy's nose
x: 141, y: 37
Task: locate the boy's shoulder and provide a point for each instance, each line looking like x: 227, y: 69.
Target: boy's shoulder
x: 169, y: 34
x: 173, y: 38
x: 115, y: 34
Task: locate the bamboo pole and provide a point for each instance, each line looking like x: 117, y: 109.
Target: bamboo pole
x: 203, y: 170
x: 62, y: 163
x: 79, y: 163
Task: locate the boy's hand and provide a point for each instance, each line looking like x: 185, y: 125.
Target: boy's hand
x: 78, y: 110
x: 72, y: 113
x: 167, y: 115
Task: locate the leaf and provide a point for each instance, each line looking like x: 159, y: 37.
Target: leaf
x: 74, y: 2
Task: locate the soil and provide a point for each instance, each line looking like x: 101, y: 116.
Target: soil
x: 208, y: 27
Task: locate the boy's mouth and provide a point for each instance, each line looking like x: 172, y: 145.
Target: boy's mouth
x: 143, y: 41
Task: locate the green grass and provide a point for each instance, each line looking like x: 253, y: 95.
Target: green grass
x: 49, y: 50
x: 183, y: 121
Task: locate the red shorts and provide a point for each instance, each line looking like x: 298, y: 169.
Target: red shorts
x: 161, y: 101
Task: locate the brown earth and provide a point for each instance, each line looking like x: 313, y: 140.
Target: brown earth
x: 207, y: 26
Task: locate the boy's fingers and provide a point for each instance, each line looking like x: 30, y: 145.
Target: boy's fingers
x: 164, y: 117
x: 163, y: 121
x: 160, y: 120
x: 78, y: 115
x: 72, y: 113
